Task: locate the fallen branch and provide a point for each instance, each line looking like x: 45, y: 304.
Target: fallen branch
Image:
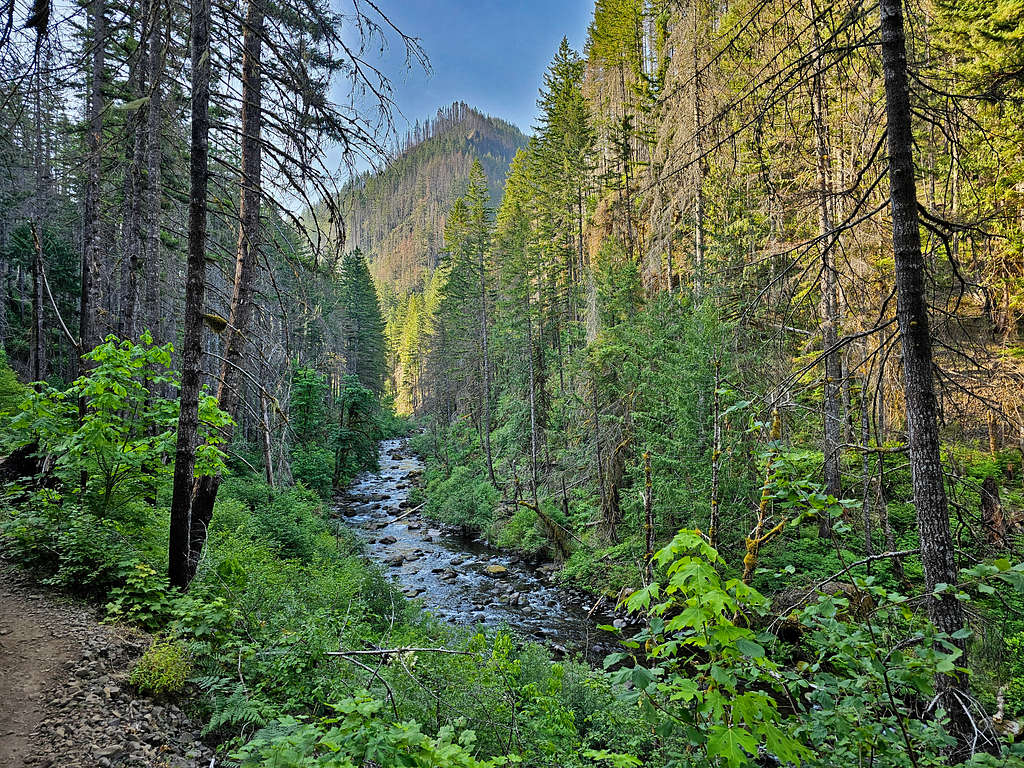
x: 76, y: 343
x: 406, y: 514
x: 391, y: 651
x: 375, y: 674
x: 863, y: 561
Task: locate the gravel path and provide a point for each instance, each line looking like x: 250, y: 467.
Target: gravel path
x: 64, y: 695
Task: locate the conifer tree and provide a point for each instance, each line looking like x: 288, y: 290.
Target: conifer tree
x: 362, y: 337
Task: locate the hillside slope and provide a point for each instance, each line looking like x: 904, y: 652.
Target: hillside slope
x: 397, y: 215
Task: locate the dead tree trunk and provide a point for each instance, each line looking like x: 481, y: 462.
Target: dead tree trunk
x: 132, y: 227
x: 178, y: 568
x: 699, y: 168
x: 229, y: 388
x: 832, y: 437
x: 992, y: 513
x: 91, y: 229
x: 38, y: 350
x: 152, y: 188
x: 922, y: 425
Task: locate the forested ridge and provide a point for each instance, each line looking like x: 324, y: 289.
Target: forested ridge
x: 397, y: 214
x: 730, y: 342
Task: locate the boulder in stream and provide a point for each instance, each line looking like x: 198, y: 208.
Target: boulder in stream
x: 495, y: 569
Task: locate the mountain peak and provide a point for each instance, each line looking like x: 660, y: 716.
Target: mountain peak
x: 396, y: 215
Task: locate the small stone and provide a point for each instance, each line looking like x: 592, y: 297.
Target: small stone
x: 495, y: 570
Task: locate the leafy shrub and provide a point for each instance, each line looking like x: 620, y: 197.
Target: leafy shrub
x: 313, y: 466
x: 1015, y: 685
x: 521, y: 531
x: 12, y: 391
x: 291, y: 523
x: 163, y: 669
x: 126, y: 430
x: 464, y: 498
x: 357, y: 734
x: 67, y: 546
x: 854, y: 692
x: 142, y: 599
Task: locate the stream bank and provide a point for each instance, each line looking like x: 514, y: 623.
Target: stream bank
x: 461, y: 579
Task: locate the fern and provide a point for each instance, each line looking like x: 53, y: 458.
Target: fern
x: 238, y: 710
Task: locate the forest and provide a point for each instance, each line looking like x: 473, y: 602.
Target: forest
x: 683, y: 429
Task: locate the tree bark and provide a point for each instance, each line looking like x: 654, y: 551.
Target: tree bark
x: 930, y: 500
x: 38, y: 351
x: 132, y: 226
x: 699, y: 166
x: 832, y: 437
x: 229, y: 387
x: 178, y: 570
x: 992, y: 513
x: 91, y: 231
x: 152, y: 189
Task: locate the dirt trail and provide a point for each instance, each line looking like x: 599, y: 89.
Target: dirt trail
x: 65, y: 701
x: 36, y: 643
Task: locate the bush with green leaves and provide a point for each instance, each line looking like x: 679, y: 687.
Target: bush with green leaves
x: 163, y: 669
x: 360, y: 733
x: 313, y: 466
x: 707, y: 677
x: 125, y: 430
x: 12, y: 391
x: 464, y: 498
x: 355, y: 735
x: 521, y: 532
x: 68, y: 546
x: 1014, y: 693
x: 143, y: 598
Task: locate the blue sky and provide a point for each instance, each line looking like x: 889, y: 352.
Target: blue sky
x: 489, y: 53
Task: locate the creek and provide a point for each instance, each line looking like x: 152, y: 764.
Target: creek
x: 459, y: 578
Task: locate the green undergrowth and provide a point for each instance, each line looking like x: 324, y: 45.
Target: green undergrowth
x: 295, y: 650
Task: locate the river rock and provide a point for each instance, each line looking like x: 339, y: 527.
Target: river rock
x: 495, y: 570
x: 387, y: 540
x: 395, y: 560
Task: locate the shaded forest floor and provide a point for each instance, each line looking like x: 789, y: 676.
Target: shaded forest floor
x: 64, y: 694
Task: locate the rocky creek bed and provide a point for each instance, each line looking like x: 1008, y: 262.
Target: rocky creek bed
x: 461, y: 579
